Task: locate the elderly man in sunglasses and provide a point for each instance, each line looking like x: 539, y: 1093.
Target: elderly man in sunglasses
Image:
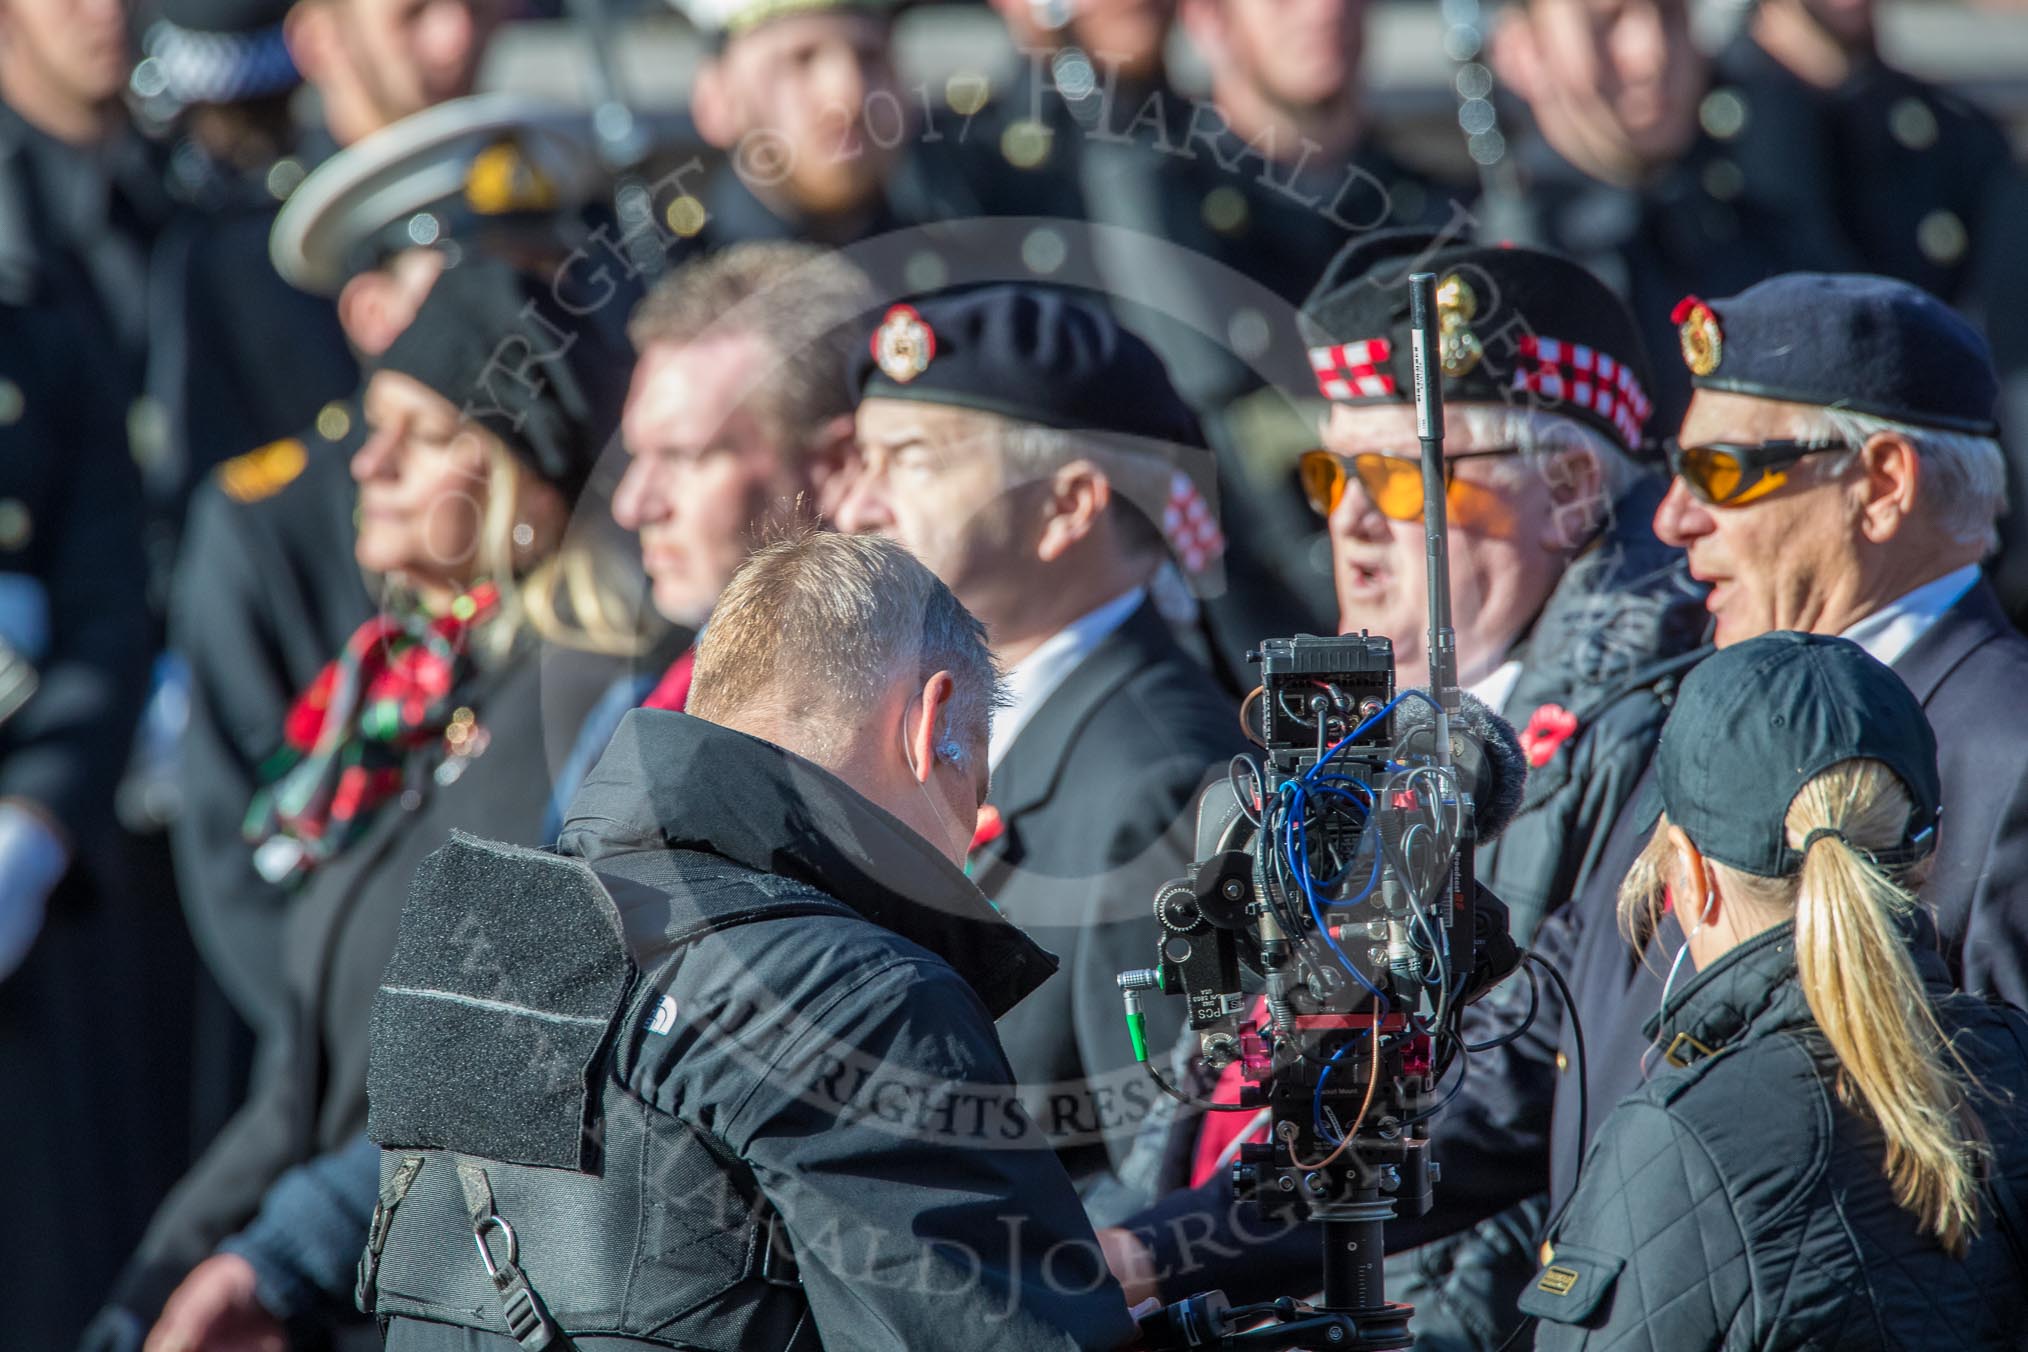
x: 1571, y: 618
x: 1838, y: 472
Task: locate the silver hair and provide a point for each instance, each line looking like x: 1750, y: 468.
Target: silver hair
x: 818, y: 627
x: 1541, y: 433
x: 1964, y: 479
x: 1139, y: 476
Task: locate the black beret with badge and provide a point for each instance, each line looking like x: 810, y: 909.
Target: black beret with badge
x: 499, y: 168
x: 1042, y: 354
x: 548, y: 379
x: 1519, y: 327
x: 1049, y: 355
x: 1869, y: 344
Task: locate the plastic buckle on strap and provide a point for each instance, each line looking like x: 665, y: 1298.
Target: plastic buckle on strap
x: 527, y: 1322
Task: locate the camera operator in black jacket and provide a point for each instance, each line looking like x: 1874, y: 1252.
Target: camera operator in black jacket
x: 721, y: 1071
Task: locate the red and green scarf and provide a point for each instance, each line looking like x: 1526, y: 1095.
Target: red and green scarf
x: 349, y: 737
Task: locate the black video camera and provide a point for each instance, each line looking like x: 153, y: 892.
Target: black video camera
x: 1330, y: 935
x: 1334, y: 877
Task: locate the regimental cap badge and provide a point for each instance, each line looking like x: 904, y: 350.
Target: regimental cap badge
x: 903, y: 346
x: 1458, y: 349
x: 1703, y: 342
x: 503, y: 180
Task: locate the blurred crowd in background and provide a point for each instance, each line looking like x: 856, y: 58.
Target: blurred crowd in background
x: 171, y: 353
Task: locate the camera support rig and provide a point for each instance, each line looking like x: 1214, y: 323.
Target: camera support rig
x: 1336, y: 878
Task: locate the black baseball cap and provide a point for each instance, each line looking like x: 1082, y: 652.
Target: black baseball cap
x: 1756, y: 721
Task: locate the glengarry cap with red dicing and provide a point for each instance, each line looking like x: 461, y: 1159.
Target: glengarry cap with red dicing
x: 1520, y: 327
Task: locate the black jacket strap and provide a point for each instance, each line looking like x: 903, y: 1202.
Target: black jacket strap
x: 528, y: 1321
x: 392, y: 1191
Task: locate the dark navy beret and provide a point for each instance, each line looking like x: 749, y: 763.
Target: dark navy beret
x: 1519, y: 327
x: 1040, y: 354
x: 1868, y: 344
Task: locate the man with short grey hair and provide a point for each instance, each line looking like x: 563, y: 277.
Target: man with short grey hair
x: 806, y: 649
x: 806, y: 1132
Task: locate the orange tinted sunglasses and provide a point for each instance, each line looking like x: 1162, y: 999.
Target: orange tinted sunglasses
x: 1731, y: 474
x: 1393, y: 483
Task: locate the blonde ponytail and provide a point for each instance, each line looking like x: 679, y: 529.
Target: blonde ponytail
x: 1863, y: 990
x: 1855, y: 971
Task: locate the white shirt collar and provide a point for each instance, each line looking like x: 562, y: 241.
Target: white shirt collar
x: 1892, y: 630
x: 1035, y: 677
x: 1496, y: 687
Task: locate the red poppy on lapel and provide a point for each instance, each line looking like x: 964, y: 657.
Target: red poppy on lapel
x: 1549, y: 727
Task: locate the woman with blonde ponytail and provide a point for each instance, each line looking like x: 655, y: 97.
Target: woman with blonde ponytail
x: 1831, y: 1149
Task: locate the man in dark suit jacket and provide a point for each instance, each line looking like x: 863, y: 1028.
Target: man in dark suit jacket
x: 1802, y: 513
x: 1017, y: 439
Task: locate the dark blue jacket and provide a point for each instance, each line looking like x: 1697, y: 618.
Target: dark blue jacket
x: 1738, y: 1200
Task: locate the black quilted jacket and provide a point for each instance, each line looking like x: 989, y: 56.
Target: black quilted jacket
x: 1734, y: 1202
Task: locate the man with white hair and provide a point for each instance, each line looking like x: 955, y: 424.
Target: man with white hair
x: 756, y: 1099
x: 1837, y: 473
x: 1572, y: 619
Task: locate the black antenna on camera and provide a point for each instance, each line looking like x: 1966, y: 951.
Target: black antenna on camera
x: 1429, y: 429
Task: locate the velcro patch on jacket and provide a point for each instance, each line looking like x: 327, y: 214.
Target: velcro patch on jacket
x: 1569, y: 1288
